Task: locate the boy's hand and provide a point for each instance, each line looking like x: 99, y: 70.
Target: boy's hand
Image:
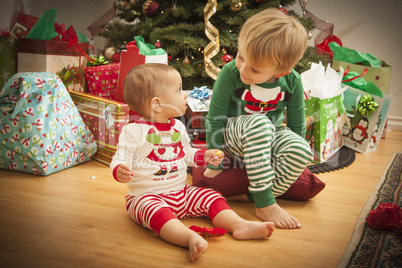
x: 214, y: 157
x: 124, y: 174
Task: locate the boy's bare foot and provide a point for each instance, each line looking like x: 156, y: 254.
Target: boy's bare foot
x: 274, y: 213
x: 245, y: 230
x: 210, y: 173
x: 197, y: 246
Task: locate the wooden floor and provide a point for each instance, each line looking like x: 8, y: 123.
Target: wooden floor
x: 70, y: 219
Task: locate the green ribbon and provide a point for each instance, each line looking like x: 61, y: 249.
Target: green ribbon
x: 147, y: 49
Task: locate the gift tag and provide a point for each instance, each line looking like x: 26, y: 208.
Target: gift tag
x: 107, y: 114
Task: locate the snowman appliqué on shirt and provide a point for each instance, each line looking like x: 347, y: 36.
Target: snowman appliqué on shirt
x: 167, y: 149
x: 260, y: 100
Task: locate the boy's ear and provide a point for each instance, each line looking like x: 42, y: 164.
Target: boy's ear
x: 280, y: 75
x: 156, y: 104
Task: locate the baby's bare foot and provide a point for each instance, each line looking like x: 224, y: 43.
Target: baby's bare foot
x: 274, y: 213
x: 253, y: 230
x: 210, y: 173
x: 197, y: 246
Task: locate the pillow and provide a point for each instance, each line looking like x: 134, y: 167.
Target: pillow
x: 234, y: 181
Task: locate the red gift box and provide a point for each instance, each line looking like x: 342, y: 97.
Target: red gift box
x: 102, y: 80
x: 105, y: 118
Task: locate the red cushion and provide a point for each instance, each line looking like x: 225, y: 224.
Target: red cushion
x: 234, y: 181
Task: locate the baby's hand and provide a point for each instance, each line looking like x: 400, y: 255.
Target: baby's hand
x: 124, y: 174
x: 214, y: 157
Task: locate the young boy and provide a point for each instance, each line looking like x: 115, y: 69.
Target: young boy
x: 152, y: 158
x: 246, y: 111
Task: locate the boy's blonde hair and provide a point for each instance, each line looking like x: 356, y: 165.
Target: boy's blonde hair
x: 144, y: 82
x: 272, y: 38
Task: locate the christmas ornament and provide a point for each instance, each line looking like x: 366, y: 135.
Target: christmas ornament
x: 116, y: 57
x: 186, y: 61
x: 227, y: 58
x: 237, y: 5
x: 158, y: 44
x: 109, y: 52
x: 125, y: 4
x: 284, y: 10
x: 132, y: 2
x: 174, y: 7
x: 310, y: 35
x: 150, y: 8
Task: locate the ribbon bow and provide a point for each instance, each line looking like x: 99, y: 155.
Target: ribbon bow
x: 200, y: 93
x: 367, y: 105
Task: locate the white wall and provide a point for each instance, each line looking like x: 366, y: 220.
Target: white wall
x: 370, y: 26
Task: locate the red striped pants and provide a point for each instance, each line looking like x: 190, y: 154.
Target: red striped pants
x: 154, y: 210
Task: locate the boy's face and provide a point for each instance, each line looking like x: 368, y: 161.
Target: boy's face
x: 249, y: 75
x: 173, y: 99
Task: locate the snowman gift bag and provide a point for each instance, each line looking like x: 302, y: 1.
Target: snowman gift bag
x: 41, y: 130
x: 367, y: 109
x: 324, y: 107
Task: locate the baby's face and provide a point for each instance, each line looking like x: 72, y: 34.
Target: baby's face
x: 249, y: 75
x: 173, y: 99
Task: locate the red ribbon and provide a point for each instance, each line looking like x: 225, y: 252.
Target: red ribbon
x: 353, y: 78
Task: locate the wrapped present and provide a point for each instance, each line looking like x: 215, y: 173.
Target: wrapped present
x: 198, y: 104
x: 105, y: 118
x: 49, y: 47
x: 324, y: 110
x: 8, y: 58
x: 102, y: 80
x: 138, y: 52
x: 41, y: 129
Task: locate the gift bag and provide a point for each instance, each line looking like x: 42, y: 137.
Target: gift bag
x: 324, y: 110
x: 61, y: 51
x: 138, y: 52
x: 367, y: 108
x: 102, y: 80
x: 8, y: 58
x: 41, y: 129
x: 374, y: 70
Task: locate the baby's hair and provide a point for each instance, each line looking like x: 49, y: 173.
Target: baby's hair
x: 144, y: 82
x: 272, y: 38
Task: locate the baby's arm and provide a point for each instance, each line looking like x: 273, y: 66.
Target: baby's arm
x: 123, y: 173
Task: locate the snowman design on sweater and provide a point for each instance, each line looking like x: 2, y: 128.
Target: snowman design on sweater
x: 261, y: 100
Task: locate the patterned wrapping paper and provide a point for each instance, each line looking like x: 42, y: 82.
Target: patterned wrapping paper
x: 41, y: 129
x: 56, y: 57
x: 105, y: 118
x: 102, y: 80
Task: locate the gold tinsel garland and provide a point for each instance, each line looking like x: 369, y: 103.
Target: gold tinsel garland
x: 213, y: 34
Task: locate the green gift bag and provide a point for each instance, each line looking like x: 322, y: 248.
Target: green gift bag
x: 8, y: 58
x: 375, y: 70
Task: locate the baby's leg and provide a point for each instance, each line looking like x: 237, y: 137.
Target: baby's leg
x: 241, y: 228
x: 175, y: 232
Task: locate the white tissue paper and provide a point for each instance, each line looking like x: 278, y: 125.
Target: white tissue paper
x: 322, y: 83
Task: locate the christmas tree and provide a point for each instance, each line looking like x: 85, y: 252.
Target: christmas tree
x: 180, y: 28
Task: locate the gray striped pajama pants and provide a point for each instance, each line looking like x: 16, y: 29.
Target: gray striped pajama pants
x: 273, y: 156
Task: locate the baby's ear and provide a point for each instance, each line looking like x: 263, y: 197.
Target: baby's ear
x: 156, y: 104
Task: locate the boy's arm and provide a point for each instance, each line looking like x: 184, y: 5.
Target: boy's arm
x: 295, y: 110
x: 218, y: 111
